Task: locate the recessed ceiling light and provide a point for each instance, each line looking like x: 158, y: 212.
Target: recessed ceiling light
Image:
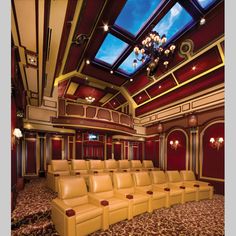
x: 202, y: 21
x: 87, y: 62
x: 111, y: 72
x: 159, y: 86
x: 114, y: 103
x: 140, y: 97
x: 131, y: 80
x: 194, y: 68
x: 112, y: 86
x: 105, y: 27
x: 86, y: 78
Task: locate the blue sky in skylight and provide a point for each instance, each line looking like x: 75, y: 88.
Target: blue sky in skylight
x: 136, y: 13
x: 110, y: 49
x: 127, y: 64
x: 173, y: 22
x: 205, y: 3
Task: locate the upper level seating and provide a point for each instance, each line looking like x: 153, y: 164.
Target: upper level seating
x: 101, y: 190
x: 124, y: 187
x: 136, y: 165
x: 175, y: 195
x: 204, y: 191
x: 190, y: 193
x: 58, y: 168
x: 143, y: 184
x: 73, y: 212
x: 124, y: 165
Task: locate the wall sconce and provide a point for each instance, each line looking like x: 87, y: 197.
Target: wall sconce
x: 216, y: 143
x: 174, y: 144
x: 17, y: 133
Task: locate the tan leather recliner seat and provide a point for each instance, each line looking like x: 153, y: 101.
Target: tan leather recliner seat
x: 96, y: 166
x: 148, y: 165
x: 101, y: 191
x: 143, y: 184
x: 72, y: 211
x: 124, y: 165
x: 58, y: 168
x: 136, y: 165
x: 111, y: 165
x: 190, y: 193
x: 78, y: 167
x: 160, y: 183
x: 124, y: 187
x: 204, y: 189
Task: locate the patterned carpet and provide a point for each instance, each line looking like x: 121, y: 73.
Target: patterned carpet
x: 205, y: 218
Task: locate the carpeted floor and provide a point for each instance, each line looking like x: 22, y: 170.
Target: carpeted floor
x: 205, y: 218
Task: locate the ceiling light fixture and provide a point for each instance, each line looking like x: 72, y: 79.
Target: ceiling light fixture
x: 111, y: 72
x: 202, y: 21
x: 87, y: 62
x: 90, y: 99
x: 152, y: 50
x: 105, y: 27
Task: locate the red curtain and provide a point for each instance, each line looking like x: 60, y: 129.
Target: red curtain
x: 78, y: 150
x: 93, y: 150
x: 213, y: 159
x: 30, y: 165
x: 117, y: 151
x: 56, y: 149
x: 152, y: 151
x: 176, y: 159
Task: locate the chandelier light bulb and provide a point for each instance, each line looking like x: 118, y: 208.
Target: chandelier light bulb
x: 165, y: 63
x: 105, y: 27
x: 167, y: 51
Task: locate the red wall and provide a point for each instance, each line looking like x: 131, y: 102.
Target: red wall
x: 30, y: 166
x: 176, y: 159
x: 117, y: 151
x: 152, y: 151
x: 213, y: 159
x: 56, y: 149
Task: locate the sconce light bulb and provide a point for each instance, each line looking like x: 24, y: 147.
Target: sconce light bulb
x: 221, y: 140
x: 212, y: 140
x: 171, y: 142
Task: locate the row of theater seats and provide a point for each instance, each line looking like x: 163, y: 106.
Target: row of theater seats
x: 77, y: 211
x: 82, y: 167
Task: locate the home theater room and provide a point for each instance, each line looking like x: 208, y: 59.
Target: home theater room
x: 117, y: 117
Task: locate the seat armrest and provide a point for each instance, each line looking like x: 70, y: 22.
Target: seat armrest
x: 203, y: 183
x: 124, y: 196
x: 100, y: 202
x: 60, y: 205
x: 159, y: 189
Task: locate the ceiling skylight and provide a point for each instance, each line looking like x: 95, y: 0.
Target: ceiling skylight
x: 110, y: 49
x: 176, y: 19
x: 205, y: 3
x: 127, y: 65
x: 135, y: 14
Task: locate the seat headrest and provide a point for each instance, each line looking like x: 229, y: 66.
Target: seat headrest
x: 96, y: 164
x: 100, y: 183
x: 111, y: 164
x: 136, y: 164
x: 59, y: 165
x: 142, y: 179
x: 174, y: 176
x: 124, y: 164
x: 122, y: 180
x: 71, y: 187
x: 148, y: 164
x: 187, y: 175
x: 158, y: 177
x: 78, y: 165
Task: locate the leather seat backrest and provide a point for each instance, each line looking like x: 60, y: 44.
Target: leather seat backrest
x: 123, y: 164
x: 158, y: 177
x: 148, y: 164
x: 78, y: 165
x: 72, y: 190
x: 187, y: 175
x: 59, y: 165
x: 174, y: 176
x: 142, y: 179
x: 111, y: 164
x: 136, y: 164
x: 100, y: 183
x: 122, y: 180
x: 96, y: 164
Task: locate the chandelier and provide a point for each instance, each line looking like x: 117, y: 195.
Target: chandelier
x: 90, y: 99
x: 152, y: 50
